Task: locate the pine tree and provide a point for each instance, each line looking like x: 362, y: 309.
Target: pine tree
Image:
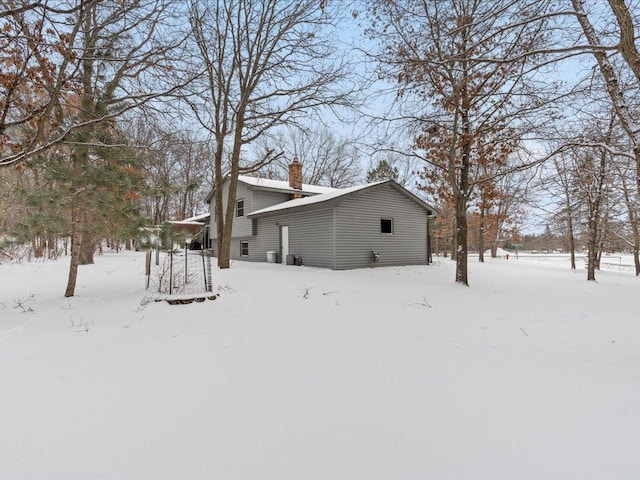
x: 383, y: 171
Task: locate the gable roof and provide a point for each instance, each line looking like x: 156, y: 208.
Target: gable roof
x: 280, y: 186
x: 337, y: 195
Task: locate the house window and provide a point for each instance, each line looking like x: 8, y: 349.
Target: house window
x: 244, y: 249
x: 386, y: 226
x: 240, y: 208
x: 254, y: 227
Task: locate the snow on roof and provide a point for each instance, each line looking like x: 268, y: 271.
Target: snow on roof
x: 282, y: 185
x: 197, y: 218
x: 184, y: 222
x: 323, y: 197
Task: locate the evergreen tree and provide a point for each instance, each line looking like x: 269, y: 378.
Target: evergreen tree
x: 383, y: 171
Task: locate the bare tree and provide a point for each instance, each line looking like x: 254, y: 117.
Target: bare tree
x: 631, y: 202
x: 463, y: 67
x: 327, y: 159
x: 265, y: 63
x: 559, y: 185
x: 45, y: 55
x: 612, y: 83
x: 177, y: 164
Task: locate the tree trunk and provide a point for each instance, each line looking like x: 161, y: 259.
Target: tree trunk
x: 461, y: 241
x: 602, y: 227
x: 454, y: 243
x: 76, y: 241
x: 462, y: 194
x: 592, y: 248
x: 481, y: 236
x: 224, y: 252
x: 38, y: 247
x: 627, y: 45
x: 572, y: 242
x: 594, y: 227
x: 87, y: 249
x: 224, y: 243
x: 634, y: 221
x: 51, y: 248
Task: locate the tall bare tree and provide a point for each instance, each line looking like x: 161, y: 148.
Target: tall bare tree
x: 326, y: 159
x: 464, y: 70
x: 612, y: 82
x: 177, y: 163
x: 631, y: 202
x: 265, y: 63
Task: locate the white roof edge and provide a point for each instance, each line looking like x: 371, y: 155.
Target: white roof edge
x: 196, y: 218
x: 185, y: 222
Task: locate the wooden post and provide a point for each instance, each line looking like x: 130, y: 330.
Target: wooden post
x: 204, y: 269
x: 209, y: 282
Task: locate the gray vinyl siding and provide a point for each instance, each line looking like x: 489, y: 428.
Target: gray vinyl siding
x: 358, y: 229
x: 262, y: 199
x: 241, y: 225
x: 310, y: 236
x: 253, y: 200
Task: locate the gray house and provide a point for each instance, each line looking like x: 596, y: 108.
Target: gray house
x: 325, y: 227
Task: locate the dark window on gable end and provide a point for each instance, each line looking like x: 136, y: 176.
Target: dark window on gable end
x: 386, y: 226
x: 254, y: 227
x: 244, y: 249
x: 240, y: 208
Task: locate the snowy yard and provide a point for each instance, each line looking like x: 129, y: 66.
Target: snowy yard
x: 297, y: 373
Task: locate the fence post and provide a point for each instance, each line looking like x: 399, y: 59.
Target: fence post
x: 204, y: 270
x: 209, y: 282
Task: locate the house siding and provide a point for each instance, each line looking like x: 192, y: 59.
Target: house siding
x: 310, y: 236
x: 263, y: 199
x: 358, y: 230
x: 241, y: 225
x: 253, y: 200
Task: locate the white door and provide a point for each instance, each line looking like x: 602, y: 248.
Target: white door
x: 284, y: 240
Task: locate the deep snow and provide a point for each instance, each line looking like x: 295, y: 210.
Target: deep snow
x: 296, y: 372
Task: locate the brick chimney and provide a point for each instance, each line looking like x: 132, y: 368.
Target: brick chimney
x: 295, y: 176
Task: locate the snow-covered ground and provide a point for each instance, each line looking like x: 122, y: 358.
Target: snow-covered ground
x: 297, y: 373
